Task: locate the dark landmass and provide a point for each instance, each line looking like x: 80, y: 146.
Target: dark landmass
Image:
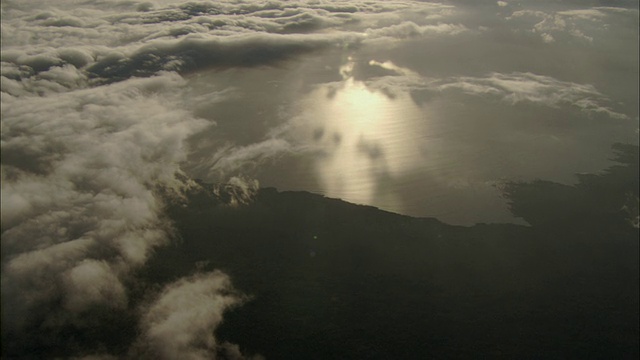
x: 328, y: 279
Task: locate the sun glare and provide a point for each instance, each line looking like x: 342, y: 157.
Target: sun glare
x: 365, y: 136
x: 359, y: 107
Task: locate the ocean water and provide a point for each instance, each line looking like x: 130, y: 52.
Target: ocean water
x: 410, y: 133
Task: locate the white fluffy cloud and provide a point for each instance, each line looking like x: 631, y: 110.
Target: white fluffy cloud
x: 78, y: 176
x: 408, y: 29
x: 129, y: 39
x: 180, y: 323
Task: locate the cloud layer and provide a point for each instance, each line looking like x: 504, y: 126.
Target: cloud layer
x: 140, y: 39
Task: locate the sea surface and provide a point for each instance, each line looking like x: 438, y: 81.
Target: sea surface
x: 372, y: 132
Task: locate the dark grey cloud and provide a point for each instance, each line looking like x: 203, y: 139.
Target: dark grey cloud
x: 192, y: 53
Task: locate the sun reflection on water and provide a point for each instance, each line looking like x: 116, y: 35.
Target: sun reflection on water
x: 364, y: 139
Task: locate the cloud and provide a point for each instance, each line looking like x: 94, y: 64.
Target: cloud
x: 92, y: 282
x: 79, y: 209
x: 197, y: 52
x: 118, y: 42
x: 408, y: 29
x: 240, y: 190
x: 180, y: 322
x: 394, y: 84
x: 55, y: 80
x: 586, y: 14
x: 583, y: 24
x: 539, y: 89
x: 231, y: 158
x: 512, y: 88
x: 388, y: 65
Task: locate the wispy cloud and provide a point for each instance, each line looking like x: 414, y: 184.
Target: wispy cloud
x: 538, y: 89
x: 583, y: 24
x: 410, y: 29
x: 512, y: 88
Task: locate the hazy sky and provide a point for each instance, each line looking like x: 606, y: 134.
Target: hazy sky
x: 416, y: 107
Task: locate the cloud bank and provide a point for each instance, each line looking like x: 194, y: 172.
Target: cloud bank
x: 79, y: 171
x: 140, y: 39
